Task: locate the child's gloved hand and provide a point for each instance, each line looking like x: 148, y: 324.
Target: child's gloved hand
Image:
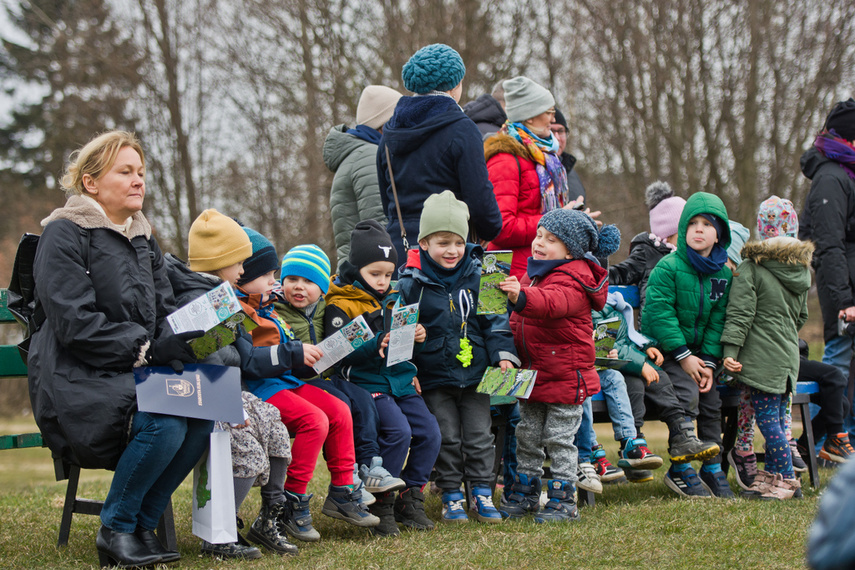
x: 655, y: 355
x: 649, y: 374
x: 311, y: 354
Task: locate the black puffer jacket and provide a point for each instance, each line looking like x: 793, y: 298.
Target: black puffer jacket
x: 830, y: 224
x: 644, y: 253
x: 99, y: 315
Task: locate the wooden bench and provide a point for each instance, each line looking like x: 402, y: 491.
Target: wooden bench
x: 11, y: 365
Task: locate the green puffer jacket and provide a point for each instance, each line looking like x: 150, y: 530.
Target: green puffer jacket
x: 307, y: 329
x: 767, y: 307
x: 355, y: 195
x: 684, y: 310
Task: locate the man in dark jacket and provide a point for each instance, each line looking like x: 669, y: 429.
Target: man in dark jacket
x: 830, y: 224
x: 488, y: 111
x: 560, y: 130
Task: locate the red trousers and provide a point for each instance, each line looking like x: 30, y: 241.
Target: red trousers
x: 317, y: 420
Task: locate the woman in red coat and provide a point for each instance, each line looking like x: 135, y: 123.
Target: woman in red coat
x: 524, y: 165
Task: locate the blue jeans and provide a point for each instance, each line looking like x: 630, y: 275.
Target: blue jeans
x: 162, y: 451
x: 613, y: 387
x: 838, y: 352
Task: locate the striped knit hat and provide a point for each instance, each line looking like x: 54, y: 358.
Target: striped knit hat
x: 310, y: 262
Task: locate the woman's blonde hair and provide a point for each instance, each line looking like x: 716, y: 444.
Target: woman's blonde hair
x: 96, y: 157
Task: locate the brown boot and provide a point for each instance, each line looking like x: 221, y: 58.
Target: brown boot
x: 383, y: 509
x: 410, y: 509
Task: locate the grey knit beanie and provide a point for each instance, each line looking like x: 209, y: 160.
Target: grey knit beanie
x: 525, y: 99
x: 579, y: 233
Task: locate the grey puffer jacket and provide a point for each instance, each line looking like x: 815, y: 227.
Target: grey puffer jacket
x: 355, y: 195
x: 99, y: 315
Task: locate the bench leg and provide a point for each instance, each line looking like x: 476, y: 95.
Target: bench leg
x: 729, y: 421
x: 68, y: 505
x: 166, y: 528
x: 807, y: 426
x: 586, y: 498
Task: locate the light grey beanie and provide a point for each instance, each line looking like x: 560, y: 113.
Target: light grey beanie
x: 525, y: 99
x: 376, y: 105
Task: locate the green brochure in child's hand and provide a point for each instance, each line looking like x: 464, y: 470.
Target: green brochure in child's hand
x: 218, y: 313
x: 495, y: 268
x: 514, y: 382
x: 605, y: 334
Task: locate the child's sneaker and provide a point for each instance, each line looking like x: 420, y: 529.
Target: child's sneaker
x: 377, y: 479
x: 684, y: 446
x: 637, y: 456
x: 452, y: 507
x: 836, y: 448
x: 296, y: 518
x: 410, y: 509
x: 588, y: 478
x: 745, y: 467
x: 638, y: 475
x: 359, y: 489
x: 481, y: 506
x: 561, y: 503
x: 607, y: 472
x: 686, y: 483
x: 716, y: 483
x: 524, y: 497
x: 799, y: 465
x: 266, y: 530
x: 343, y: 505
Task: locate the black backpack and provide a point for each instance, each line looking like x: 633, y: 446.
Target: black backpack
x: 22, y: 289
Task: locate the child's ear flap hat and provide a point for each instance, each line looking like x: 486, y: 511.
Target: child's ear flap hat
x: 309, y: 262
x: 369, y: 242
x: 777, y: 217
x: 263, y: 259
x: 443, y: 212
x: 216, y: 242
x: 579, y: 233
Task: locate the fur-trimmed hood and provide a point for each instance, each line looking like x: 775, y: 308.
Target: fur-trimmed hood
x: 503, y: 143
x: 788, y: 259
x: 88, y: 214
x: 786, y: 250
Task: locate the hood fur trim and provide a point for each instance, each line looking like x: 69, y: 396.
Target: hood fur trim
x: 781, y: 249
x: 502, y: 143
x: 86, y: 214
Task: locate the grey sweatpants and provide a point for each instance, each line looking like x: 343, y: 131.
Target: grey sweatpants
x: 550, y: 426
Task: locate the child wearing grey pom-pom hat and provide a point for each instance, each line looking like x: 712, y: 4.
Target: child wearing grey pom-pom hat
x: 553, y: 332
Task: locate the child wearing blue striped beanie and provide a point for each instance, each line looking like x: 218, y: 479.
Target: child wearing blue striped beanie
x: 307, y: 261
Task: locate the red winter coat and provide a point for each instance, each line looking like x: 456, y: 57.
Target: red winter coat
x: 554, y: 334
x: 517, y: 187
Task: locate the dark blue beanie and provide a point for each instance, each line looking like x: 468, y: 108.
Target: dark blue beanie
x: 262, y: 260
x: 579, y: 233
x: 716, y: 222
x: 436, y: 67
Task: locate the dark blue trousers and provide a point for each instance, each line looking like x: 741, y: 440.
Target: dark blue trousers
x: 407, y: 426
x: 363, y: 411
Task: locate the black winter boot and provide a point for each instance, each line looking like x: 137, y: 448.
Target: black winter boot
x: 266, y: 530
x: 384, y: 509
x: 410, y: 509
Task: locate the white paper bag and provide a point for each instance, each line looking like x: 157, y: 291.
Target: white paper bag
x: 214, y: 492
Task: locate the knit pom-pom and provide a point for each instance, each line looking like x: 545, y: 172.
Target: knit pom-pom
x: 657, y: 192
x: 608, y: 241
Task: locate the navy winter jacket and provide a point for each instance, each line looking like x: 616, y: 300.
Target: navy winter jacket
x: 434, y: 147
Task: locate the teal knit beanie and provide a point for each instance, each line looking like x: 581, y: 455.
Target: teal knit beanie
x: 263, y: 258
x: 436, y: 67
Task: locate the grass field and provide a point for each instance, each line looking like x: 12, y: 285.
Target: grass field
x: 632, y: 526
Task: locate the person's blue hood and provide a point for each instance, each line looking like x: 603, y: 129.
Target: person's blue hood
x: 416, y: 118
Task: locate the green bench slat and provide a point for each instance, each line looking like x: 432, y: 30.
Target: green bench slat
x: 21, y: 441
x: 10, y: 361
x: 5, y: 315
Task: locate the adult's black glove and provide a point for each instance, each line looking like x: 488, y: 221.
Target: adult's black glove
x: 173, y: 349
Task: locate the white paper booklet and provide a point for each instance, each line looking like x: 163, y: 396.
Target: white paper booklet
x: 402, y: 333
x: 350, y: 337
x: 205, y: 312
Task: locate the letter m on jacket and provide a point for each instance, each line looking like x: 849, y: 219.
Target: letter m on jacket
x: 717, y: 288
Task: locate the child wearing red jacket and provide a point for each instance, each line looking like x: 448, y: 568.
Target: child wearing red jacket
x: 553, y: 333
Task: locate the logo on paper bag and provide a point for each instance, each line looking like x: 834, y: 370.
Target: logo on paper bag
x: 179, y: 387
